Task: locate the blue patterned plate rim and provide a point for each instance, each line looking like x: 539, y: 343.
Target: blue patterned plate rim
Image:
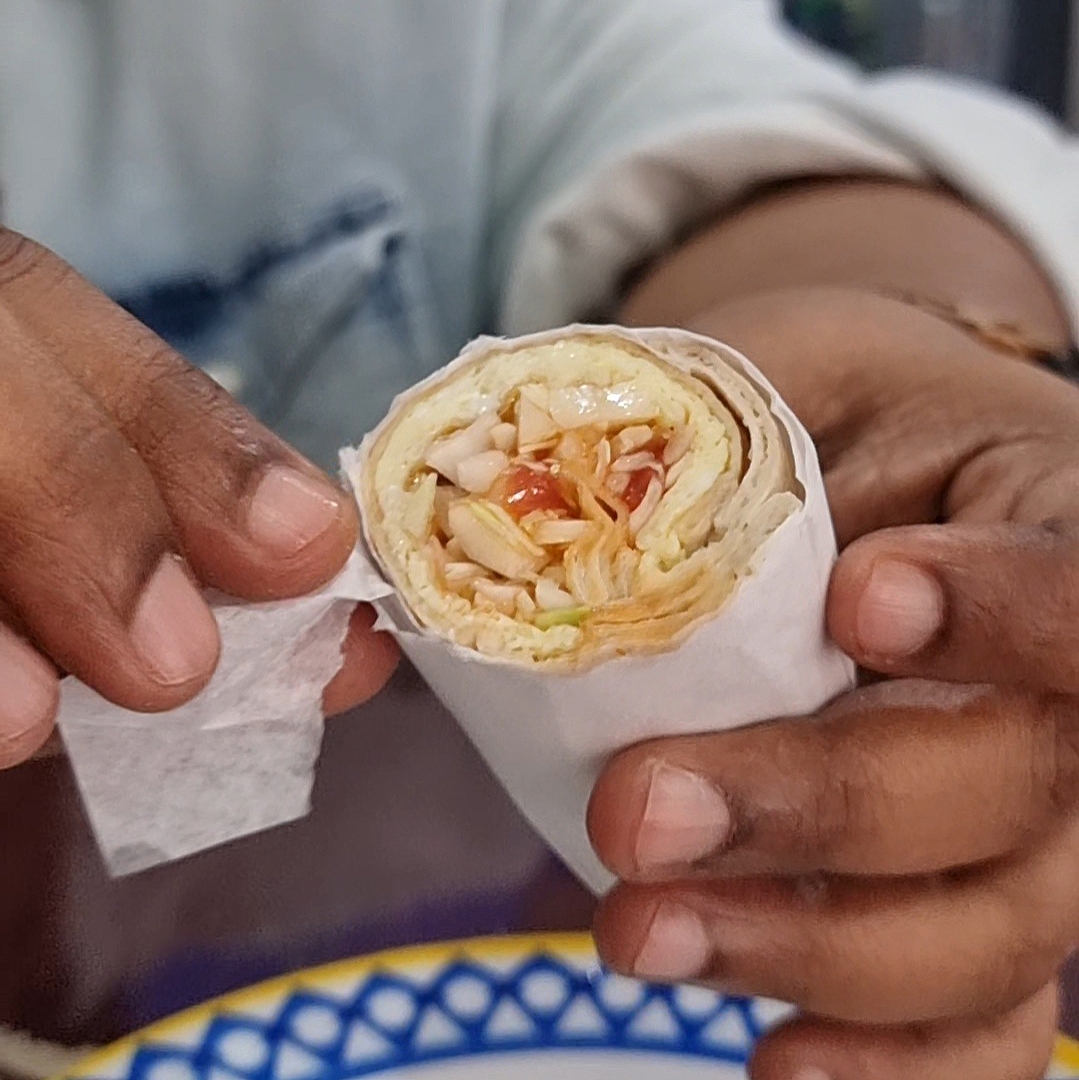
x: 424, y: 1004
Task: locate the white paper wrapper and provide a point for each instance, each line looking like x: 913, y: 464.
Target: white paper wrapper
x: 545, y: 733
x: 237, y: 759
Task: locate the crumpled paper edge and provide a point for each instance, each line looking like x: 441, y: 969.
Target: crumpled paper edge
x: 236, y: 760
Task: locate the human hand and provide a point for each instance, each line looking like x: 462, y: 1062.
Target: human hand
x: 128, y: 479
x: 904, y: 866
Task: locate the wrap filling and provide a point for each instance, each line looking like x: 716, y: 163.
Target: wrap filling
x: 567, y: 501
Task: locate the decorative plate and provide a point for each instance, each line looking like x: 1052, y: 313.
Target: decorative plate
x: 498, y: 1008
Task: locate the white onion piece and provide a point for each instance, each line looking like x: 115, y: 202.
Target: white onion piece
x: 534, y: 425
x: 639, y: 518
x: 676, y: 470
x: 442, y: 499
x: 435, y: 553
x: 617, y: 482
x: 559, y: 531
x: 444, y: 455
x: 462, y: 573
x: 570, y: 447
x: 557, y: 574
x: 677, y: 446
x: 534, y: 517
x: 524, y: 606
x: 603, y: 458
x: 490, y: 537
x: 630, y: 402
x: 624, y: 571
x: 537, y: 393
x: 549, y: 597
x: 576, y: 406
x: 503, y: 597
x: 632, y: 462
x: 504, y: 436
x: 419, y: 508
x: 630, y: 439
x: 528, y: 463
x: 478, y: 473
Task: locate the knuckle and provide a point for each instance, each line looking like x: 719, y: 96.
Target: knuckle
x: 1023, y: 967
x: 79, y: 464
x: 835, y: 804
x: 1051, y: 610
x: 150, y: 413
x: 1056, y: 532
x: 19, y: 256
x: 1033, y: 944
x: 53, y: 491
x: 83, y: 519
x: 809, y: 947
x: 827, y: 828
x: 109, y: 484
x: 157, y: 372
x: 176, y: 414
x: 1055, y: 724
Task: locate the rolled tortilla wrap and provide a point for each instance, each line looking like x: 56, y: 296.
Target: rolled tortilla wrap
x: 595, y: 536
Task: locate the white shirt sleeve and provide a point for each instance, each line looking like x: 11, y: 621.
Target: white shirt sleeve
x: 623, y: 123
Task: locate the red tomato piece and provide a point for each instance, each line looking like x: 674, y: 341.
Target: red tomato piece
x: 635, y: 491
x: 656, y: 445
x: 522, y: 491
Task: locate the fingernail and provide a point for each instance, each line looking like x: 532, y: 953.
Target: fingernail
x: 289, y: 510
x: 901, y: 610
x: 173, y: 630
x: 676, y: 946
x: 28, y: 687
x: 685, y: 819
x: 811, y: 1073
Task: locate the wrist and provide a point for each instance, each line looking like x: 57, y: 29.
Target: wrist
x: 915, y: 244
x: 811, y: 340
x: 999, y: 335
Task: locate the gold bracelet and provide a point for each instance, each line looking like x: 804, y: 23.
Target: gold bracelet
x: 1003, y: 337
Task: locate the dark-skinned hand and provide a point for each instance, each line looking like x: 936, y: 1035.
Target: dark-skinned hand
x: 904, y: 865
x: 128, y: 479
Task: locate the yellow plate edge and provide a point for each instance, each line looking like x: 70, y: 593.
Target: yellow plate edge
x: 578, y: 945
x: 1068, y: 1054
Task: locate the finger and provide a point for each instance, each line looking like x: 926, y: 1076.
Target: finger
x: 898, y: 951
x: 1017, y: 1046
x: 88, y: 559
x: 369, y: 660
x: 894, y: 779
x: 29, y: 694
x: 964, y: 603
x: 252, y: 516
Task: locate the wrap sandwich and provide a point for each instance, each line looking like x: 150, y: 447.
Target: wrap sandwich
x: 593, y: 536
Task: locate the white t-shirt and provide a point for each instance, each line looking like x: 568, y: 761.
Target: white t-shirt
x: 321, y: 202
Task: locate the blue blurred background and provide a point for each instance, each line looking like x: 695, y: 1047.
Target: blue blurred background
x: 1023, y: 45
